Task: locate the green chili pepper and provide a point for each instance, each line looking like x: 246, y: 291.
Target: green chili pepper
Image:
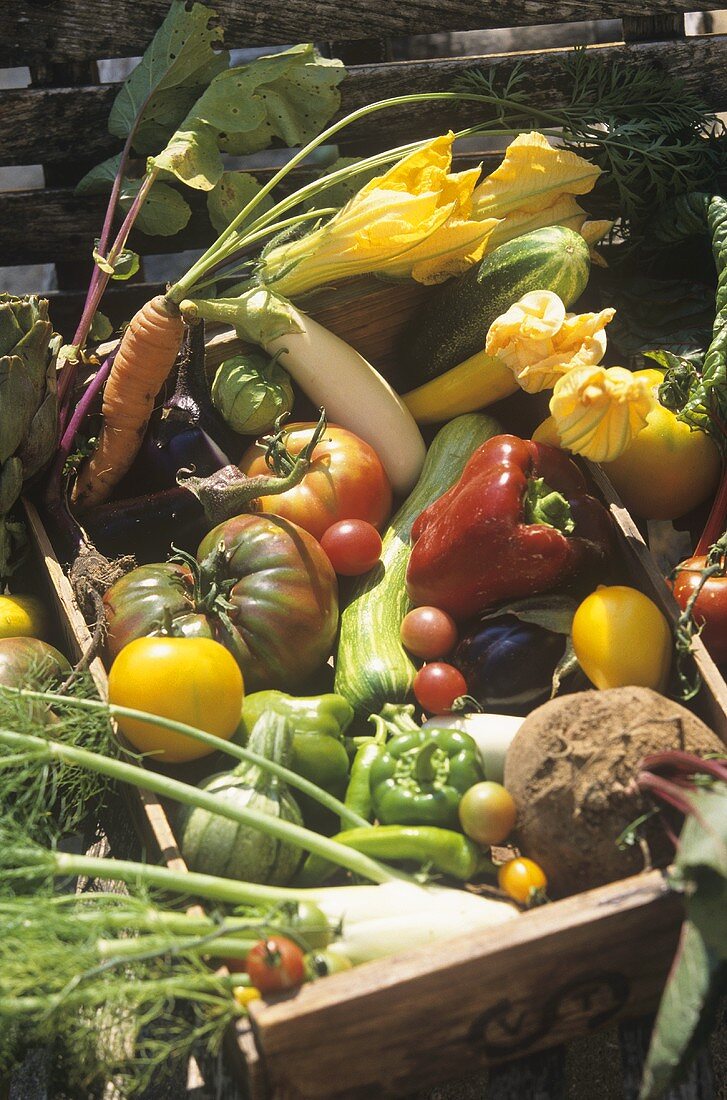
x: 444, y: 850
x: 358, y: 791
x: 421, y: 776
x: 318, y: 722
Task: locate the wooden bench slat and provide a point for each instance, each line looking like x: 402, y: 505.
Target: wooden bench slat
x: 27, y: 137
x: 76, y: 30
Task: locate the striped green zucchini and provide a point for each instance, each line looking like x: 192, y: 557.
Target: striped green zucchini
x: 453, y: 324
x: 372, y: 666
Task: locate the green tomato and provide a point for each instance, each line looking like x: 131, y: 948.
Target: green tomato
x: 487, y: 813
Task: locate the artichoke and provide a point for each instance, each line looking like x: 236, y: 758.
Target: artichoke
x: 28, y: 405
x: 251, y: 391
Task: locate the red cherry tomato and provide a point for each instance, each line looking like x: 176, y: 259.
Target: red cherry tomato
x: 437, y: 685
x: 710, y: 607
x: 353, y: 546
x: 275, y: 963
x: 428, y: 632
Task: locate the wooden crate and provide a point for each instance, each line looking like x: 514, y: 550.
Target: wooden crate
x: 390, y: 1027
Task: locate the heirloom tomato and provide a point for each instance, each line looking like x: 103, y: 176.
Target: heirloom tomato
x: 260, y: 585
x: 192, y: 680
x: 346, y: 480
x: 709, y: 610
x: 22, y: 658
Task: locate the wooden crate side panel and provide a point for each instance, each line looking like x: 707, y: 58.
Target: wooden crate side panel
x: 42, y: 124
x: 566, y: 969
x: 75, y: 30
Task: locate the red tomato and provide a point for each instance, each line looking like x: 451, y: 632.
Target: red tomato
x: 274, y: 964
x: 345, y: 481
x: 710, y: 607
x: 428, y: 632
x: 437, y: 685
x: 353, y: 546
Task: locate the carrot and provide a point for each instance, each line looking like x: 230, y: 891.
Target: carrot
x: 145, y: 357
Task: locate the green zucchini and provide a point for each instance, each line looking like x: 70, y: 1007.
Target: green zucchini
x: 454, y: 322
x: 372, y: 666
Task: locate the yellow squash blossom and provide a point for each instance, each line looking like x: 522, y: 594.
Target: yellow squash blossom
x: 535, y: 186
x: 412, y: 222
x: 598, y: 411
x: 540, y: 342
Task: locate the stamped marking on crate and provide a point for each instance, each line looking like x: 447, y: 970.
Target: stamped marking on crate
x: 507, y: 1028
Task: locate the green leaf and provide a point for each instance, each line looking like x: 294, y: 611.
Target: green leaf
x: 680, y: 1011
x: 101, y: 178
x: 230, y: 194
x: 192, y: 156
x: 289, y: 95
x: 179, y: 57
x: 703, y: 839
x: 124, y: 266
x: 101, y: 328
x: 162, y: 214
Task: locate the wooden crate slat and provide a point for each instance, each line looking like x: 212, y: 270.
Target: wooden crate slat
x: 475, y: 1001
x: 41, y: 125
x: 64, y: 223
x: 76, y: 30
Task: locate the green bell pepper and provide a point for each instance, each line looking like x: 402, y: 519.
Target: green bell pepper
x: 421, y: 776
x: 318, y: 722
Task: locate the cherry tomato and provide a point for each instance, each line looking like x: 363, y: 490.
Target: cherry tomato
x: 710, y: 607
x: 276, y: 963
x: 522, y: 879
x: 353, y: 546
x: 345, y: 481
x: 191, y: 680
x: 621, y: 638
x: 487, y: 813
x: 437, y: 685
x: 428, y: 632
x: 23, y: 617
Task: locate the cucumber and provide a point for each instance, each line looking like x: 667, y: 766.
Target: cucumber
x: 372, y: 666
x: 454, y: 323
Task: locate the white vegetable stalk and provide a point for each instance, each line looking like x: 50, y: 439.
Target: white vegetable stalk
x: 396, y: 916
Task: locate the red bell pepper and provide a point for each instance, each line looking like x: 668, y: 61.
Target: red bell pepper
x: 518, y: 522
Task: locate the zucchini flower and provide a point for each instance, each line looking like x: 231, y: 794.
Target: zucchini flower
x: 598, y: 410
x: 412, y: 222
x: 535, y: 186
x: 540, y: 342
x: 28, y: 405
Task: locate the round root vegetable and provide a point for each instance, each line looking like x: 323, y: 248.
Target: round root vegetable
x: 571, y: 769
x: 145, y: 357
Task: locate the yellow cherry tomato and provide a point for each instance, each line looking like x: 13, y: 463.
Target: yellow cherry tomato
x: 523, y: 879
x: 192, y: 680
x: 666, y: 471
x: 621, y: 638
x: 23, y: 617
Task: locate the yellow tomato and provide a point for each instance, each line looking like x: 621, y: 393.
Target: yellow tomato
x: 23, y: 617
x: 192, y: 680
x: 621, y: 638
x: 666, y: 471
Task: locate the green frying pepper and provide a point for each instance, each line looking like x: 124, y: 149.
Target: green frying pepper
x: 421, y: 776
x: 318, y: 723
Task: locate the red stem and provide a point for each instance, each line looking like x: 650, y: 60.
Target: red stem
x: 668, y: 792
x: 717, y: 521
x: 685, y: 762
